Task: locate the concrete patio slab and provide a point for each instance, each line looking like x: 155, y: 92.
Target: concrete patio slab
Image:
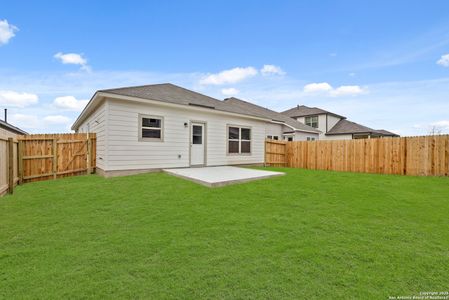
x: 220, y: 176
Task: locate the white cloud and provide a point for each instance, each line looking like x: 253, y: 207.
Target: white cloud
x: 324, y: 87
x: 317, y: 87
x: 347, y: 90
x: 7, y: 32
x: 229, y: 76
x: 272, y: 69
x: 72, y: 59
x: 70, y: 103
x: 33, y: 123
x: 25, y: 121
x: 58, y: 119
x: 230, y: 91
x: 444, y: 60
x: 15, y: 99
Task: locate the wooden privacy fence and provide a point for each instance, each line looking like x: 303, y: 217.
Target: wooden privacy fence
x: 275, y: 153
x: 51, y: 156
x: 36, y: 157
x: 423, y: 155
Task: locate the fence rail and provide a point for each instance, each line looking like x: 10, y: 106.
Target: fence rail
x: 423, y: 155
x: 39, y: 157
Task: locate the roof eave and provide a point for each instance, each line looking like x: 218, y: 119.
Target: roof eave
x: 103, y: 94
x: 353, y: 132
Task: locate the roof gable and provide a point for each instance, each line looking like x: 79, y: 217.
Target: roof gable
x: 302, y: 111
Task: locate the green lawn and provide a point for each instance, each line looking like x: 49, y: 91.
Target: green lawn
x: 309, y: 234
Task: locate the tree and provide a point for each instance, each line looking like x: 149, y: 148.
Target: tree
x: 435, y: 130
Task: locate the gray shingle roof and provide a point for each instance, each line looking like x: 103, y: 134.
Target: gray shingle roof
x: 386, y: 132
x: 267, y: 113
x: 167, y: 92
x: 347, y: 127
x: 11, y: 128
x: 302, y: 111
x: 171, y: 93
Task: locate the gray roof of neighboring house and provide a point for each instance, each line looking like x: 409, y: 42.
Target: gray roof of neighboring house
x: 302, y: 111
x: 11, y: 128
x: 171, y: 93
x: 347, y: 127
x: 273, y: 115
x: 386, y: 132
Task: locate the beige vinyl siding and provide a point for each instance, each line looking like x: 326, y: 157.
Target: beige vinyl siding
x: 125, y: 151
x: 331, y: 121
x: 302, y: 136
x: 339, y: 137
x: 274, y: 129
x: 6, y: 133
x: 98, y: 124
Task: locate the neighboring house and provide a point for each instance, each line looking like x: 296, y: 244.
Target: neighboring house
x: 151, y: 127
x: 8, y: 130
x: 333, y: 126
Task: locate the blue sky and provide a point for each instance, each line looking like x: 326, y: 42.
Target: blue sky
x: 381, y: 64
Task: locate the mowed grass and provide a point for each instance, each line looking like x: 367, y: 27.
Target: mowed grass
x: 309, y: 234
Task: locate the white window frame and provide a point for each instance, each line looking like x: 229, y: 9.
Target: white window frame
x: 311, y: 138
x: 311, y: 123
x: 140, y: 127
x: 239, y: 140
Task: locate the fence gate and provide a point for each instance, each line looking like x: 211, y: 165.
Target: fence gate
x: 275, y: 153
x: 51, y: 156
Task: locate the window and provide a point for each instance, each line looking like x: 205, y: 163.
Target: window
x: 197, y: 135
x: 310, y: 138
x: 150, y: 128
x: 239, y: 140
x: 290, y: 139
x: 270, y: 137
x: 312, y: 121
x: 275, y: 137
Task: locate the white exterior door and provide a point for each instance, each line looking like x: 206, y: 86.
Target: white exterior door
x: 197, y: 144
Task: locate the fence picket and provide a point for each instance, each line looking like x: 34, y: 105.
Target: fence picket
x: 423, y: 155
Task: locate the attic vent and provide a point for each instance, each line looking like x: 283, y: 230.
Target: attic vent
x: 201, y: 105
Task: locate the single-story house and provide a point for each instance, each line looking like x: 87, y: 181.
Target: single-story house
x: 151, y: 127
x: 333, y: 126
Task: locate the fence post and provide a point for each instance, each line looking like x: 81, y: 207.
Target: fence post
x: 55, y: 158
x: 20, y: 160
x: 88, y: 155
x: 447, y: 156
x: 265, y: 153
x: 10, y: 165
